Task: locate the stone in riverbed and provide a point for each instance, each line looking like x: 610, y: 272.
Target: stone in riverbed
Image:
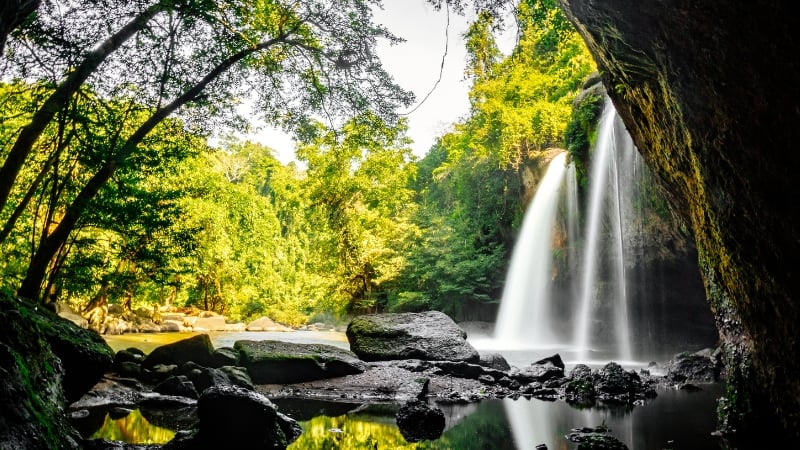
x: 430, y: 335
x: 225, y: 356
x: 197, y: 349
x: 285, y: 362
x: 417, y: 421
x: 205, y: 377
x: 232, y: 417
x: 266, y: 324
x: 494, y: 361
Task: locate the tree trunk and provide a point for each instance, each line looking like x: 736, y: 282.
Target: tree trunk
x: 12, y: 14
x: 32, y: 284
x: 44, y: 115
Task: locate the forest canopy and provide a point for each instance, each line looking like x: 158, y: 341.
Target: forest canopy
x: 112, y: 192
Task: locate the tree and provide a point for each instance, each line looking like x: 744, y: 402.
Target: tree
x: 302, y: 58
x: 470, y: 184
x: 359, y: 185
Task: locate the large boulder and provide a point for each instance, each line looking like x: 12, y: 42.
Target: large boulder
x: 693, y: 367
x: 32, y: 415
x: 431, y: 336
x: 232, y: 417
x: 84, y: 354
x: 285, y: 362
x: 198, y: 349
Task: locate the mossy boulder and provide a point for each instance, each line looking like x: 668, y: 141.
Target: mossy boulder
x: 84, y: 354
x: 430, y: 335
x: 285, y: 362
x: 31, y: 392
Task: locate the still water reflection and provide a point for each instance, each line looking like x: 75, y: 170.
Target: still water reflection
x: 675, y: 419
x: 134, y: 428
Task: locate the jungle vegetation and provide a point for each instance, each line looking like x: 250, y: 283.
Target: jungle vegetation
x: 112, y: 190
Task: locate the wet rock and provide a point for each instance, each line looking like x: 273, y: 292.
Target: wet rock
x: 225, y: 356
x: 205, y: 377
x: 538, y: 372
x: 84, y: 354
x: 232, y: 417
x: 177, y: 385
x: 108, y: 393
x: 697, y: 367
x: 429, y: 335
x: 494, y: 361
x: 554, y: 360
x: 157, y: 373
x: 601, y: 442
x: 486, y: 379
x: 580, y: 391
x: 128, y: 362
x: 32, y: 414
x: 285, y: 362
x: 196, y: 348
x: 612, y: 382
x: 580, y: 372
x: 417, y: 421
x: 129, y: 369
x: 463, y: 369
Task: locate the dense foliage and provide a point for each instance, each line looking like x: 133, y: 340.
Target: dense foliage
x: 110, y: 191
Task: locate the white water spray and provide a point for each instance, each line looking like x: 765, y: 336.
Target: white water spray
x: 525, y: 312
x: 604, y: 193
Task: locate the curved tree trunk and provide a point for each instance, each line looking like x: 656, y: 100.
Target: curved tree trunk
x: 32, y: 284
x: 12, y: 14
x: 58, y: 99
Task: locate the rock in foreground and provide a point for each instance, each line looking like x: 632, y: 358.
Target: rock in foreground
x: 417, y: 421
x: 232, y: 417
x: 431, y: 336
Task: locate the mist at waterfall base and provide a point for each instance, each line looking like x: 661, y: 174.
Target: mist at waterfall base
x: 606, y: 292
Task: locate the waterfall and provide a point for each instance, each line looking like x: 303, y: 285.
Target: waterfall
x: 525, y: 310
x: 593, y: 321
x: 606, y: 206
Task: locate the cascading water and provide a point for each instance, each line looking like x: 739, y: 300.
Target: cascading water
x: 604, y: 197
x: 525, y: 310
x: 596, y: 256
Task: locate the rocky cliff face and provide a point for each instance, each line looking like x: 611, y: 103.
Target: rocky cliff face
x: 708, y: 90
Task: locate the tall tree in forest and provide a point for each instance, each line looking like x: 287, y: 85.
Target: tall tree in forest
x: 359, y: 185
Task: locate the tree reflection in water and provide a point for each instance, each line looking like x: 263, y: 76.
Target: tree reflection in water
x: 133, y: 428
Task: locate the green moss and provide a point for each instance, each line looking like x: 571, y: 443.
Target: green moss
x: 32, y: 382
x: 581, y: 132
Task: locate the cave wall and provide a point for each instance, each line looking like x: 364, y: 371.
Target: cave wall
x: 709, y: 91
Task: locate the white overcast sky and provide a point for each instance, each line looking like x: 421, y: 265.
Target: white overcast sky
x: 415, y: 64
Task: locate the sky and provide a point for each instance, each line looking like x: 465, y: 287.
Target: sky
x: 415, y: 65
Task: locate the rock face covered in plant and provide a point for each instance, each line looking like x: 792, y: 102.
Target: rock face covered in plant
x: 83, y: 353
x: 710, y: 97
x: 430, y: 335
x: 33, y: 379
